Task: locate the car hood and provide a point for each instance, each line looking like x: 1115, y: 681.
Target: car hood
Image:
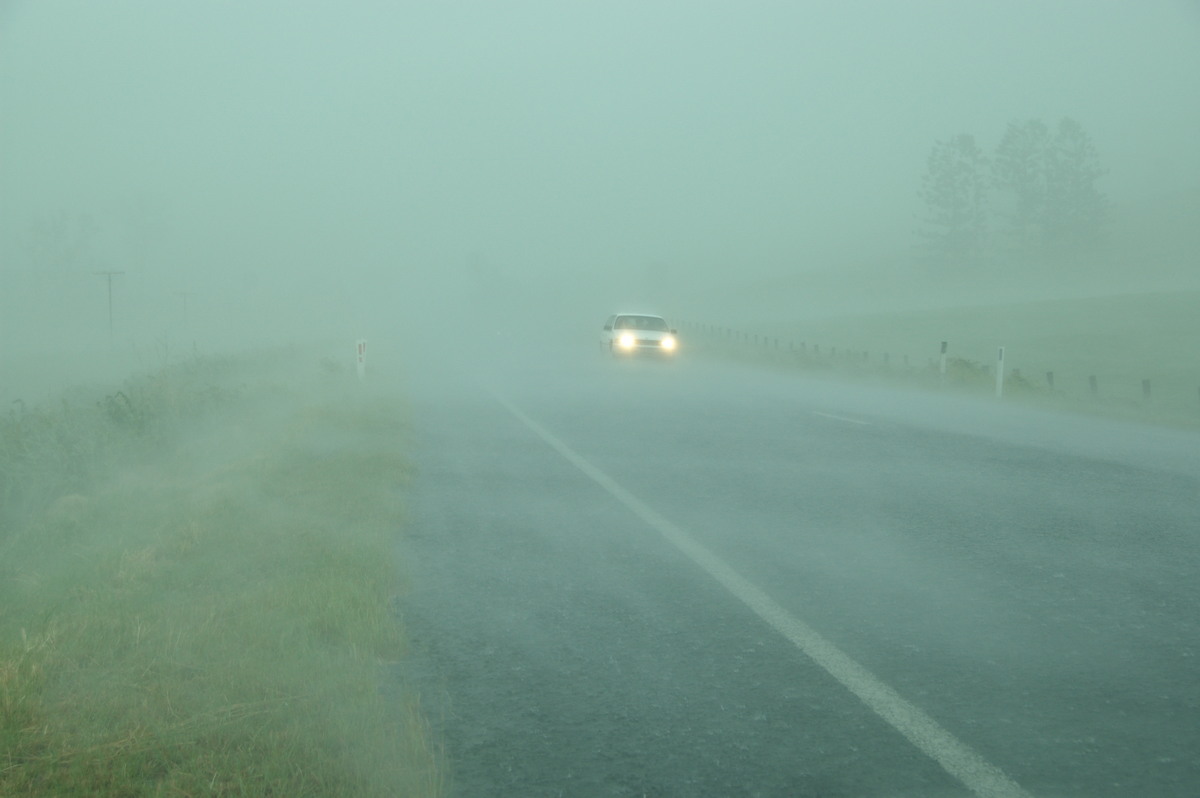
x: 643, y: 335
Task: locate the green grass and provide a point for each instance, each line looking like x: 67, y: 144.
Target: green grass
x: 209, y: 614
x: 1119, y: 340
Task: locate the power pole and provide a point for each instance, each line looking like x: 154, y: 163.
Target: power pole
x: 109, y: 275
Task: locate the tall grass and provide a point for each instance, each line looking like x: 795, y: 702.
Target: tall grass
x: 207, y: 611
x: 51, y: 451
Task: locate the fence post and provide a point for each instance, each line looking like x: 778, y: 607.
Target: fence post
x: 942, y: 368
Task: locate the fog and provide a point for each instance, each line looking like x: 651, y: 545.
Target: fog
x: 264, y: 171
x: 497, y: 178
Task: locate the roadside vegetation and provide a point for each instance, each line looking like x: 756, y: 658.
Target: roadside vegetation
x: 1127, y: 356
x: 197, y: 575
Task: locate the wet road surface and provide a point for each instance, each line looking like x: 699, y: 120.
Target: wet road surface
x: 1026, y: 583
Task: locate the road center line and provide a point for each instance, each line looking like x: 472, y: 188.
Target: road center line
x: 961, y: 762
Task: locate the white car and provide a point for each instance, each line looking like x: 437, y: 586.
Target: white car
x: 630, y: 334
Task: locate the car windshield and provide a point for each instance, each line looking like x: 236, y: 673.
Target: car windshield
x: 654, y: 323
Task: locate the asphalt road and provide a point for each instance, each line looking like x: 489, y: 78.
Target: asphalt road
x: 688, y: 579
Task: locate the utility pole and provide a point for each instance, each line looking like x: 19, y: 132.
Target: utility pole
x: 109, y: 275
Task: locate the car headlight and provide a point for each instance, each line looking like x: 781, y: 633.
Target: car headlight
x: 668, y: 343
x: 626, y: 341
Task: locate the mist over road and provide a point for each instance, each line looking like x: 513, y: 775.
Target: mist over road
x: 1025, y: 582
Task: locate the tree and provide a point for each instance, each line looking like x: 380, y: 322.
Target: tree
x: 1019, y: 168
x: 1075, y: 209
x: 58, y: 242
x: 954, y: 191
x: 1047, y: 186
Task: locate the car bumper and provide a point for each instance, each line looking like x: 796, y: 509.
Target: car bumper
x: 652, y: 349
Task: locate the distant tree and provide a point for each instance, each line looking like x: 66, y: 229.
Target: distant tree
x: 1046, y: 186
x: 1019, y: 173
x: 59, y: 242
x: 954, y: 190
x: 1075, y: 209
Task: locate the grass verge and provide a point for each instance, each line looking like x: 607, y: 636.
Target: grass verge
x: 207, y: 611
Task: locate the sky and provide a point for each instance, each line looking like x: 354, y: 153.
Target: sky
x: 260, y: 166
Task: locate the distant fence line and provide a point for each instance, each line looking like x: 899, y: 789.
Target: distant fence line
x: 945, y: 368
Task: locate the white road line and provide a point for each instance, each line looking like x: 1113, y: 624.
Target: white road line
x: 842, y: 418
x: 979, y: 776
